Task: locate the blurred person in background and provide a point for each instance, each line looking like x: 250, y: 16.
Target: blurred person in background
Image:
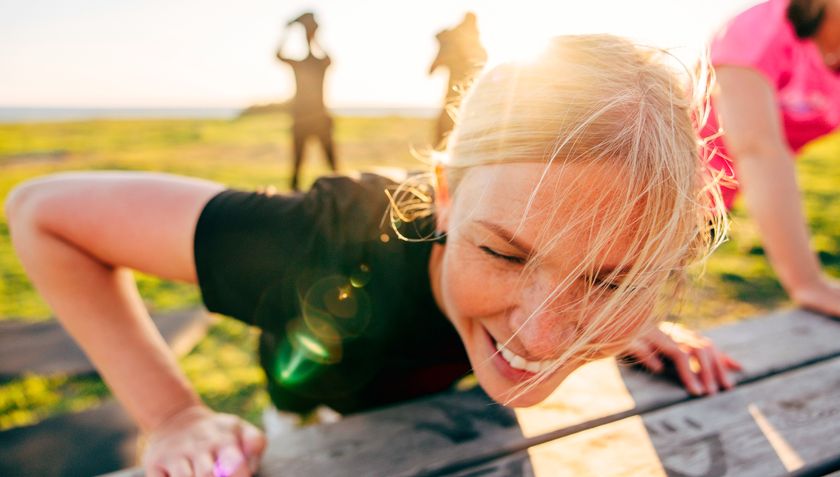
x: 459, y: 51
x: 778, y: 87
x: 309, y: 114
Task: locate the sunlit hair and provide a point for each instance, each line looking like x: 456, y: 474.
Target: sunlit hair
x: 599, y: 100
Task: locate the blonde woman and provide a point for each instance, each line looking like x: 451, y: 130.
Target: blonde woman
x: 553, y: 231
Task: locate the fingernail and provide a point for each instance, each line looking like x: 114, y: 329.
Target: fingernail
x: 226, y: 464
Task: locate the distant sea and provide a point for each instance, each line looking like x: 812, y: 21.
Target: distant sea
x: 23, y: 115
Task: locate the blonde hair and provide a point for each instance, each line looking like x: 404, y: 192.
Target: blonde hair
x: 597, y: 99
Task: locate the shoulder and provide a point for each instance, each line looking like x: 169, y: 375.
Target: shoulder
x: 760, y: 37
x: 345, y: 193
x: 348, y: 208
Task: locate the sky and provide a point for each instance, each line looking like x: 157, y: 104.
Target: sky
x: 209, y: 53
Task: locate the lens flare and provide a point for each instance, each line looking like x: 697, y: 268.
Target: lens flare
x: 333, y: 302
x: 334, y: 309
x: 341, y: 301
x: 361, y: 276
x: 313, y: 347
x: 291, y: 366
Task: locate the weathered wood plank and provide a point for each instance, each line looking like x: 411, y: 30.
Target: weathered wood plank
x: 774, y: 427
x: 450, y: 433
x: 45, y: 348
x: 517, y: 464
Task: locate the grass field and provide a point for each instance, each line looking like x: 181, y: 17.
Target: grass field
x: 254, y: 152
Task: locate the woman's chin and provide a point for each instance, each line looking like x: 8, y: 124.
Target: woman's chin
x: 526, y: 400
x: 514, y: 395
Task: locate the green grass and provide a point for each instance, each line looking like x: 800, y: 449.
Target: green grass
x: 254, y: 152
x: 738, y: 281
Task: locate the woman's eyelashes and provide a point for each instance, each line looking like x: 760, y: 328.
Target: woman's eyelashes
x: 605, y: 284
x: 516, y: 260
x: 597, y: 281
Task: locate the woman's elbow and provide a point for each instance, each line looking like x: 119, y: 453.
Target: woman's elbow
x: 21, y: 205
x: 13, y: 205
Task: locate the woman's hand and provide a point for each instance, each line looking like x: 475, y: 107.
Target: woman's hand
x: 701, y: 367
x: 821, y: 296
x: 199, y: 442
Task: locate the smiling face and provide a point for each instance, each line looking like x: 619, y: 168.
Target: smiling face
x: 578, y: 196
x: 519, y: 288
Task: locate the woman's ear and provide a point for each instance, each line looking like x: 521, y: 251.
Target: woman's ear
x: 443, y: 201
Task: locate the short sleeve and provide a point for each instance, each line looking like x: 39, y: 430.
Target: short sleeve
x: 253, y: 251
x: 760, y: 38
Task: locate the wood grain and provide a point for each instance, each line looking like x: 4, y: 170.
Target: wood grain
x: 773, y: 427
x: 461, y: 432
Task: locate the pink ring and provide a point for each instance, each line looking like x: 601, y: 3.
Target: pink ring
x: 219, y: 470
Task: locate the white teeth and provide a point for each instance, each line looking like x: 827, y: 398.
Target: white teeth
x: 518, y: 362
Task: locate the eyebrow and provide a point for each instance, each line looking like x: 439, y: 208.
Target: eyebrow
x: 526, y: 249
x: 505, y: 234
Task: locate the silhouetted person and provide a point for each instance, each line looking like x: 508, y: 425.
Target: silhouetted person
x: 309, y: 114
x: 460, y: 51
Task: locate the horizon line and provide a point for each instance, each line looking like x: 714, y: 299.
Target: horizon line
x: 32, y: 114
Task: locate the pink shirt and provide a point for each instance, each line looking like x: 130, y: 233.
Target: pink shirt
x: 807, y: 92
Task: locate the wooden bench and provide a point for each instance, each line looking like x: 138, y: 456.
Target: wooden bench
x: 782, y: 419
x: 46, y: 348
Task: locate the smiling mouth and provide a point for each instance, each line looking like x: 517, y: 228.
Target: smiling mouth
x: 518, y: 362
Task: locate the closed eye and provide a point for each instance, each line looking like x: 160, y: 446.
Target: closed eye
x: 606, y: 284
x: 508, y: 258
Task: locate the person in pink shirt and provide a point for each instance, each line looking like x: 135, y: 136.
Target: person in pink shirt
x: 778, y: 86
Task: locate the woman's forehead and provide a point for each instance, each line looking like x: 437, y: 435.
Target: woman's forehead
x: 536, y: 204
x: 507, y: 192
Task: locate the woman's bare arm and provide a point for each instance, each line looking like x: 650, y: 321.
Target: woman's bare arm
x: 749, y: 115
x: 78, y: 236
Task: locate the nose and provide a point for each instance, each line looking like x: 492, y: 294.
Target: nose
x: 543, y: 321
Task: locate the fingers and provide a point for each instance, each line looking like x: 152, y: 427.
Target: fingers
x: 652, y: 362
x: 721, y: 368
x: 701, y: 367
x: 723, y: 365
x: 231, y: 462
x: 647, y: 356
x: 730, y: 363
x: 705, y: 358
x: 204, y: 444
x: 196, y: 466
x: 179, y: 468
x: 203, y: 465
x: 686, y: 375
x: 681, y: 357
x: 253, y: 443
x: 154, y: 472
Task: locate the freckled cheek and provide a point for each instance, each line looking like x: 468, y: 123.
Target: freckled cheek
x: 475, y: 289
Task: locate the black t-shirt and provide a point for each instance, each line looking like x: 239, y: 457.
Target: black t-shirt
x: 346, y: 310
